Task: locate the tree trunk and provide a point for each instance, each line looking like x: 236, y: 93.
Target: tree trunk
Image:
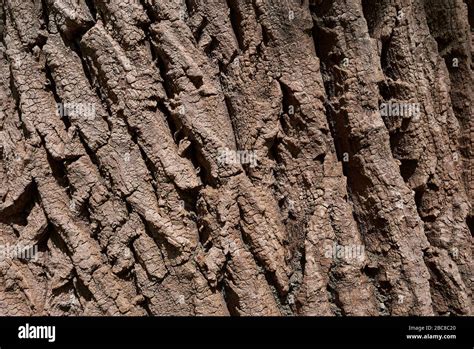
x: 248, y: 157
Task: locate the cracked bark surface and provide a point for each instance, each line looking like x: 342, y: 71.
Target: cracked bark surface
x: 134, y: 210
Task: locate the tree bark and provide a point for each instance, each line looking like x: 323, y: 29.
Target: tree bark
x: 239, y: 157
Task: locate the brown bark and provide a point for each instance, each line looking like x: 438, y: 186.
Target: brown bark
x: 239, y: 157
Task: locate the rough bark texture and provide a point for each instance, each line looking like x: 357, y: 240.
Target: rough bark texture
x: 150, y: 205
